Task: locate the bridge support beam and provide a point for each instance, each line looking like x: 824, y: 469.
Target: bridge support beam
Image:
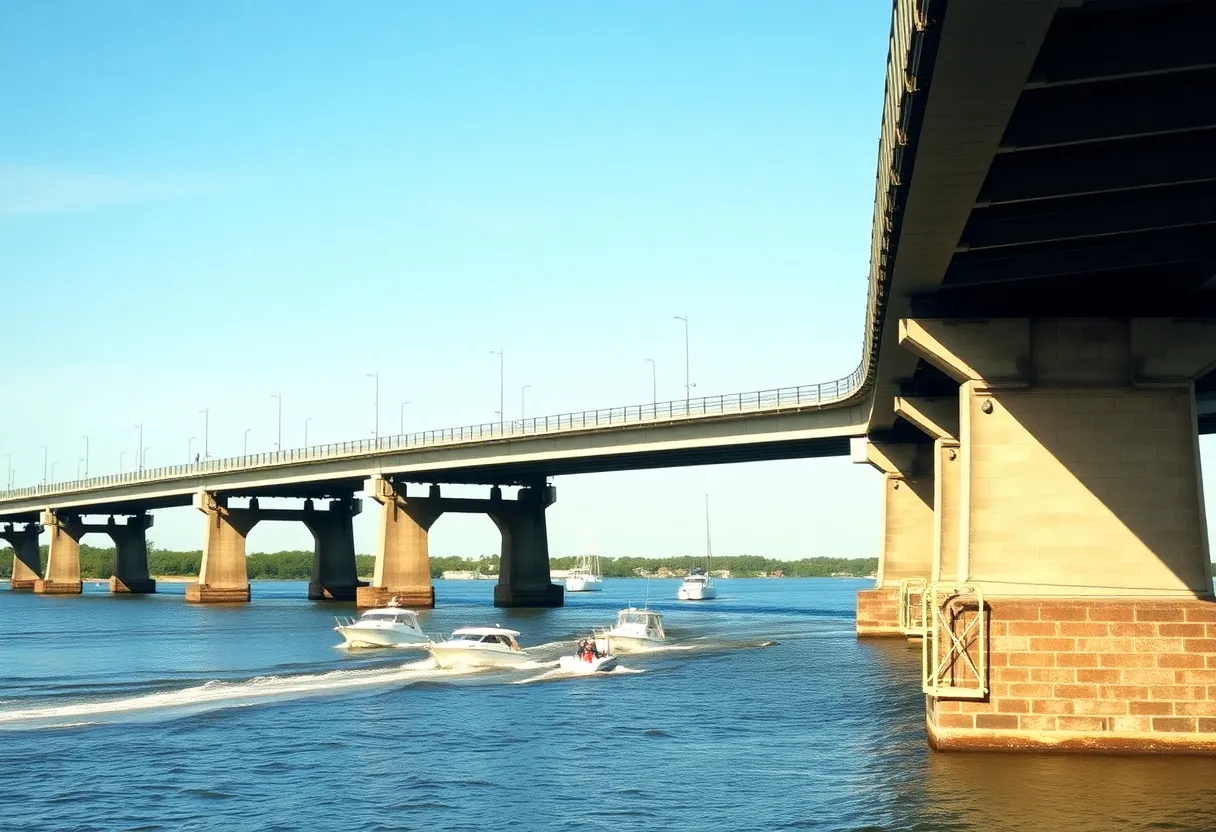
x: 26, y: 556
x: 1080, y: 518
x: 63, y: 558
x: 223, y: 577
x: 131, y: 555
x: 523, y: 579
x: 907, y: 530
x: 334, y: 576
x: 403, y: 563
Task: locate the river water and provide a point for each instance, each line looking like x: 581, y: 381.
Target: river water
x: 764, y: 712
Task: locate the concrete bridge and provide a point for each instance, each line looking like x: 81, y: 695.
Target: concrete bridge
x: 1037, y: 365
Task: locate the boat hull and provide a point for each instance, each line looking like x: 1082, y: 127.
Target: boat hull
x: 581, y: 584
x: 696, y: 593
x: 623, y: 643
x: 582, y: 667
x: 378, y: 637
x: 463, y: 657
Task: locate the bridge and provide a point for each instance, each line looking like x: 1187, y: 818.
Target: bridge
x: 1037, y: 364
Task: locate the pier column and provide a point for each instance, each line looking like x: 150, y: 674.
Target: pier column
x: 403, y: 563
x: 223, y: 577
x: 938, y: 418
x: 334, y: 575
x: 63, y: 558
x: 27, y: 560
x: 131, y: 555
x: 523, y: 579
x: 1081, y: 519
x: 907, y: 530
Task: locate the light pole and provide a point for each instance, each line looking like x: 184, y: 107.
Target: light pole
x: 403, y: 404
x: 53, y: 464
x: 279, y: 444
x: 654, y: 386
x: 190, y: 448
x: 44, y: 469
x: 687, y: 385
x: 139, y: 451
x: 376, y: 421
x: 306, y: 421
x: 245, y: 452
x: 79, y: 462
x: 501, y: 366
x: 9, y: 463
x: 206, y: 411
x: 86, y: 456
x: 143, y: 458
x: 121, y: 454
x: 523, y: 402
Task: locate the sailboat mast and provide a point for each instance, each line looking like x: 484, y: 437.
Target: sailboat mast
x: 709, y: 549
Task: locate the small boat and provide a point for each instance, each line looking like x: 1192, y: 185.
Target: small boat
x: 634, y: 628
x: 586, y: 576
x: 387, y: 626
x: 591, y: 656
x: 479, y: 647
x: 699, y: 586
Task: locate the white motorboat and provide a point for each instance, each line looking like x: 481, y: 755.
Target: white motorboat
x: 479, y: 647
x: 586, y: 576
x: 699, y: 585
x: 592, y: 655
x: 387, y: 626
x: 635, y: 628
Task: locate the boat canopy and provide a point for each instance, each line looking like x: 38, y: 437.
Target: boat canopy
x: 402, y: 616
x: 636, y: 616
x: 484, y: 631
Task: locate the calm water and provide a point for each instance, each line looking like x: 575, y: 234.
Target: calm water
x: 765, y: 713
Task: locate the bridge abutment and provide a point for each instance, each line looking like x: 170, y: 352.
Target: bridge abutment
x: 523, y: 579
x: 223, y: 576
x: 27, y: 560
x: 131, y: 555
x: 403, y: 564
x: 63, y: 557
x: 907, y: 539
x: 334, y: 575
x: 1080, y: 519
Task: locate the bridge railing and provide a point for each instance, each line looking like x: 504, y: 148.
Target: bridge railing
x: 779, y: 399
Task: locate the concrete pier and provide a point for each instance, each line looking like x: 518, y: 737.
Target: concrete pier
x: 403, y: 564
x: 334, y: 576
x: 63, y: 558
x: 1080, y: 518
x: 524, y: 573
x: 223, y: 577
x: 130, y: 555
x: 908, y: 530
x: 26, y: 556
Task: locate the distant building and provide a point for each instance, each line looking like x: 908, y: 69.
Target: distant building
x: 721, y: 573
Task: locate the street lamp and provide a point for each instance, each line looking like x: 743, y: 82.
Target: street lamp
x: 245, y: 452
x: 190, y: 448
x: 306, y: 421
x: 279, y: 445
x: 86, y: 456
x: 121, y: 454
x: 403, y: 404
x: 44, y: 474
x: 53, y: 464
x: 654, y: 386
x: 523, y: 402
x: 143, y: 458
x: 139, y: 451
x: 687, y: 385
x: 206, y: 411
x: 9, y: 463
x: 376, y: 421
x: 501, y: 408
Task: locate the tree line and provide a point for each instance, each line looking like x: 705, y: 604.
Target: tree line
x: 98, y: 564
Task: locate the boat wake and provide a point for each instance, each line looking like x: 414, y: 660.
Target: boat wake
x: 555, y: 673
x: 217, y: 694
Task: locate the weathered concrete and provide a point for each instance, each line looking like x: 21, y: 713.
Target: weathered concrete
x: 334, y: 576
x: 130, y: 555
x: 223, y: 577
x: 938, y: 418
x: 1080, y: 516
x: 63, y: 558
x: 908, y: 531
x: 524, y: 573
x: 403, y: 564
x: 26, y: 557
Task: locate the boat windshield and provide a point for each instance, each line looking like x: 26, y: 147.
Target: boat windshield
x: 396, y: 617
x: 643, y: 618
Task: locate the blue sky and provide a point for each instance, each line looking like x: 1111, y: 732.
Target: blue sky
x: 202, y: 204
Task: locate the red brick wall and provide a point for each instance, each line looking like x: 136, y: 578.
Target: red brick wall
x: 878, y: 612
x: 1090, y: 674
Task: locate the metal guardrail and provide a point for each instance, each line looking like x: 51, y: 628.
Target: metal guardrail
x: 911, y: 607
x: 954, y: 652
x: 761, y: 401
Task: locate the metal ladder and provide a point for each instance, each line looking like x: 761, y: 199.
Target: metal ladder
x: 954, y: 652
x: 911, y: 606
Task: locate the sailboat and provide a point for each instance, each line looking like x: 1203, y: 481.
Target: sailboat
x: 586, y: 576
x: 699, y: 586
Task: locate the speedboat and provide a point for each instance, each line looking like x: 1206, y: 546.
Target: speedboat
x: 586, y: 575
x: 698, y: 586
x: 387, y: 626
x: 592, y: 656
x: 479, y: 647
x: 634, y: 629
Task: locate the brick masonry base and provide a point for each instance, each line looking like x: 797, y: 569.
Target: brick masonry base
x: 418, y: 598
x: 1135, y: 676
x: 878, y: 613
x: 206, y: 594
x: 42, y: 587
